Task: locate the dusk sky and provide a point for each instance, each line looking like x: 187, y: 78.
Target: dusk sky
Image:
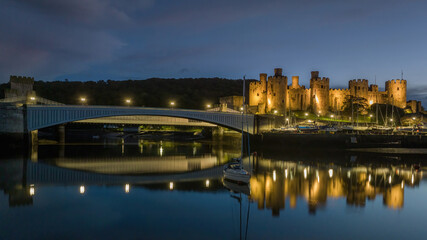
x: 139, y: 39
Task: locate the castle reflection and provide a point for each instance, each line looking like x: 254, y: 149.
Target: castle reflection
x: 275, y: 182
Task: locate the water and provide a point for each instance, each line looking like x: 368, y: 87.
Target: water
x: 173, y: 190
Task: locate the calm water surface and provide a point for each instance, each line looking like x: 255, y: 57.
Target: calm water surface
x: 174, y: 190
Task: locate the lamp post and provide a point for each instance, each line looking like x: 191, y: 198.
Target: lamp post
x: 172, y: 104
x: 128, y: 101
x: 83, y: 100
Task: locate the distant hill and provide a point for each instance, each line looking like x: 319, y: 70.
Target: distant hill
x: 154, y: 92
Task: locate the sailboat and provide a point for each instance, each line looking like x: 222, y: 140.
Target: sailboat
x: 234, y: 171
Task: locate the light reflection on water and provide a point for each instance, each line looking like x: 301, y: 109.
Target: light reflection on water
x: 178, y: 185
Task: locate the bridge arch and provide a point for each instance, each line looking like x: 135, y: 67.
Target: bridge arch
x: 42, y: 116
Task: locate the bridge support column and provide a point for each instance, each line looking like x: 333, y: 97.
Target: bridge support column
x: 61, y: 134
x: 218, y: 131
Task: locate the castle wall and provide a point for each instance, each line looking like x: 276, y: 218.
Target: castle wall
x: 337, y: 98
x: 20, y: 86
x: 276, y: 92
x: 319, y: 98
x: 359, y: 88
x: 396, y: 92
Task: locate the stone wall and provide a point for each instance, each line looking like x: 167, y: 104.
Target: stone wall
x: 319, y: 88
x: 276, y: 92
x: 337, y: 98
x: 396, y: 92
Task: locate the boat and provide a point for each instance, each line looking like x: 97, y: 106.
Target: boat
x: 234, y: 171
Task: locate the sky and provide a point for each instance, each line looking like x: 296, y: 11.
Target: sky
x: 83, y: 40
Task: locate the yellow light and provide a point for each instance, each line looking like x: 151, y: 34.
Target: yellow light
x: 241, y: 108
x: 318, y: 179
x: 287, y: 119
x: 128, y: 101
x: 208, y: 106
x: 391, y: 120
x: 269, y: 102
x: 161, y: 151
x: 275, y: 111
x: 305, y: 173
x: 370, y: 115
x: 286, y: 173
x: 310, y: 121
x: 413, y: 118
x: 389, y: 179
x: 172, y: 103
x: 332, y: 116
x: 317, y: 100
x: 274, y: 175
x: 171, y: 185
x: 306, y: 114
x: 371, y: 102
x: 369, y: 178
x: 32, y: 98
x: 331, y: 173
x: 82, y: 99
x: 82, y: 189
x: 402, y: 184
x: 32, y: 190
x: 412, y: 179
x: 127, y: 188
x: 207, y: 183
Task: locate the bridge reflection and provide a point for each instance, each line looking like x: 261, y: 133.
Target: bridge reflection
x: 275, y: 183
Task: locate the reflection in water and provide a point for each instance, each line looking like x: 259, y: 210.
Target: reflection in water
x: 275, y: 182
x: 198, y: 167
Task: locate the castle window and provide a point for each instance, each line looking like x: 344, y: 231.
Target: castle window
x: 283, y: 101
x: 321, y: 86
x: 257, y: 94
x: 397, y: 89
x: 391, y: 95
x: 274, y: 94
x: 358, y: 88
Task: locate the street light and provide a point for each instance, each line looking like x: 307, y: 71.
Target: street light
x: 275, y: 111
x: 128, y: 101
x: 82, y: 100
x: 306, y: 114
x: 32, y: 98
x: 172, y: 104
x: 208, y: 106
x: 332, y: 116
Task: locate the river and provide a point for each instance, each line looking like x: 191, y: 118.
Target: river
x: 152, y: 189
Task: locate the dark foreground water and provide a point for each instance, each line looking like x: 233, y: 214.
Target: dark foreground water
x: 166, y: 190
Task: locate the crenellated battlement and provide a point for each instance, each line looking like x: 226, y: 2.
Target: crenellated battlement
x: 396, y: 81
x: 339, y: 90
x: 21, y: 79
x: 358, y: 81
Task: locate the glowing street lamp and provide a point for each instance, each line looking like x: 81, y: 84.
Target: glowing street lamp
x: 32, y: 98
x: 82, y: 189
x: 208, y: 106
x: 128, y: 101
x: 171, y: 186
x: 275, y: 111
x: 82, y: 100
x: 127, y: 188
x: 172, y: 104
x: 32, y: 190
x: 306, y: 114
x: 332, y: 116
x: 370, y: 115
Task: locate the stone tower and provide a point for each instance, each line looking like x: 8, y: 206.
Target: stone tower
x: 276, y: 92
x: 258, y: 93
x: 359, y: 88
x: 396, y: 92
x: 319, y: 96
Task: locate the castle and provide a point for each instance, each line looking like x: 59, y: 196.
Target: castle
x: 274, y: 95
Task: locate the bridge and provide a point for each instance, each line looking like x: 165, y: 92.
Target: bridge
x: 42, y: 116
x: 25, y: 119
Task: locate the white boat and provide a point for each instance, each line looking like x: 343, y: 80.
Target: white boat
x: 235, y: 172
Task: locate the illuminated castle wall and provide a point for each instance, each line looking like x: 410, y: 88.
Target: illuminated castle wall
x: 273, y: 95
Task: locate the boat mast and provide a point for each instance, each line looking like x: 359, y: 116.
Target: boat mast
x: 243, y: 112
x: 376, y: 101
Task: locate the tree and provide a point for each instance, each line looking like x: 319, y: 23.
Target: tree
x: 354, y: 105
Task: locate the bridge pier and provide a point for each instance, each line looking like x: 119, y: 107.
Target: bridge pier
x: 61, y: 134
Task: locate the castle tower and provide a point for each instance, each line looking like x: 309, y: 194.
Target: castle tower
x: 277, y: 92
x: 359, y: 88
x: 319, y: 93
x: 396, y: 92
x: 373, y: 94
x: 258, y: 93
x: 21, y: 87
x: 295, y: 82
